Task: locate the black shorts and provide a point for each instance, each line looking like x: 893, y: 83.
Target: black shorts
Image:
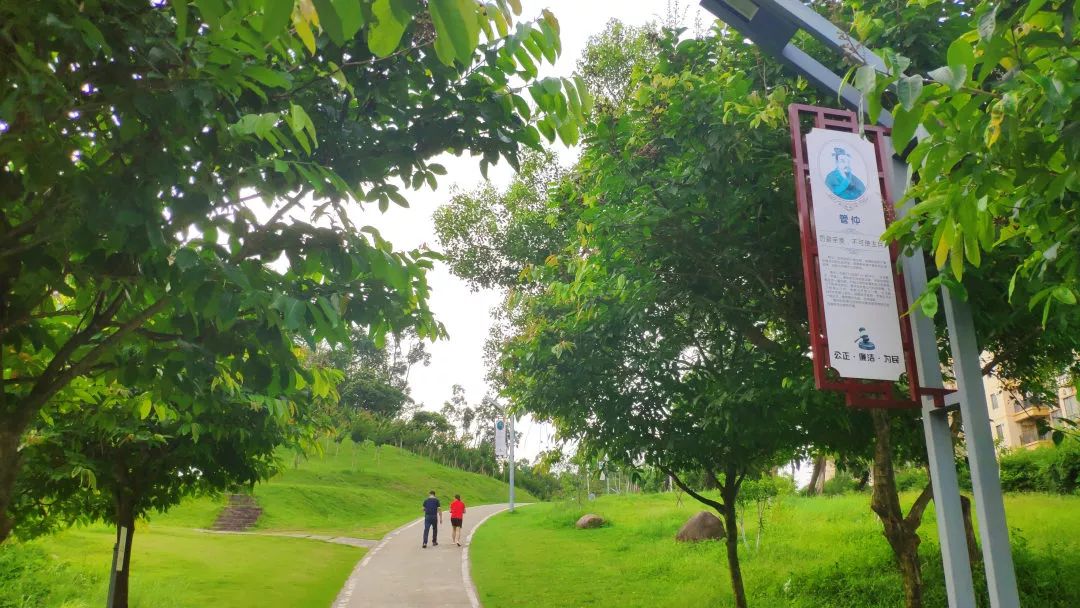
x: 455, y: 521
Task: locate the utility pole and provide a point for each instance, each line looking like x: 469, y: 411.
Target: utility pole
x: 772, y: 25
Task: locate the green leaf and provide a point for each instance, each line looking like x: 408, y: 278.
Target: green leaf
x: 186, y: 258
x: 300, y: 122
x: 987, y: 23
x: 92, y: 35
x: 908, y: 90
x: 276, y: 15
x: 1064, y: 295
x: 385, y: 35
x: 584, y: 94
x: 903, y: 129
x: 961, y: 53
x: 928, y: 303
x: 865, y: 79
x: 457, y: 31
x: 144, y: 406
x: 266, y: 76
x: 952, y: 76
x: 351, y: 14
x: 211, y: 11
x: 294, y: 311
x: 330, y: 21
x: 181, y: 8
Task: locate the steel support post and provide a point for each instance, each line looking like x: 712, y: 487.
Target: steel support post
x: 959, y: 586
x: 985, y: 482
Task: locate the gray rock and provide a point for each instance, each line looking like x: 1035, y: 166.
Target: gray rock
x: 590, y: 520
x: 703, y: 526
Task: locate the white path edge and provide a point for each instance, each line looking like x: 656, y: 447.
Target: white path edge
x: 470, y: 587
x: 346, y: 592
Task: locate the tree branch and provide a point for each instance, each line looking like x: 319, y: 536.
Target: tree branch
x: 914, y: 516
x: 719, y: 506
x: 53, y: 379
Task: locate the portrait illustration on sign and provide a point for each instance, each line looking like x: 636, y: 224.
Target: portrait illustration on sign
x: 845, y: 173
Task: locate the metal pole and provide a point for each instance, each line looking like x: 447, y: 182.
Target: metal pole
x: 959, y: 587
x: 511, y: 440
x: 985, y: 482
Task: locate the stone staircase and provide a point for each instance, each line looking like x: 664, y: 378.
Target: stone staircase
x: 240, y: 514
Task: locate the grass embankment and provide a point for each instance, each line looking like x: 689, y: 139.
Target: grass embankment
x: 354, y: 492
x: 345, y: 492
x: 815, y: 552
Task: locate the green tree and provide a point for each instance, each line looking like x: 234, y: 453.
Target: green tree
x: 176, y: 178
x: 998, y: 165
x: 118, y: 454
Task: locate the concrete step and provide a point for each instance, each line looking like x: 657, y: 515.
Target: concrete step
x: 240, y: 514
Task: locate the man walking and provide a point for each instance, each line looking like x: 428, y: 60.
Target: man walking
x: 457, y: 512
x: 432, y: 519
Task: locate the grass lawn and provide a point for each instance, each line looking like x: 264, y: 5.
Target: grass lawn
x: 815, y: 553
x: 349, y: 491
x: 176, y: 568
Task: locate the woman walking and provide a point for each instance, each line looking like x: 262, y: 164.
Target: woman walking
x: 457, y: 512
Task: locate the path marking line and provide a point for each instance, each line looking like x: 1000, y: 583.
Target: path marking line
x: 466, y: 577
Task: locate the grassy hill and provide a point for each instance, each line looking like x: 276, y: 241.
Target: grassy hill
x: 822, y: 552
x: 356, y: 492
x: 351, y: 491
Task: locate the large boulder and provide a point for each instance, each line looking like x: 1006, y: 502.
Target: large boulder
x: 590, y: 520
x: 703, y: 526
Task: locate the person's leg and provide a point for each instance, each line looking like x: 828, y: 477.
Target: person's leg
x: 434, y: 532
x: 427, y: 526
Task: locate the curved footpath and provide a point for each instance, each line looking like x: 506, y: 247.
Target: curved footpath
x: 397, y: 573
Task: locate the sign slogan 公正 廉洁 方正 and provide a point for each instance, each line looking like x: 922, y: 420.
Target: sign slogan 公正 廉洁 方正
x: 862, y: 321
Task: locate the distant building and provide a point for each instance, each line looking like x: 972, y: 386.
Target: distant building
x: 1015, y: 418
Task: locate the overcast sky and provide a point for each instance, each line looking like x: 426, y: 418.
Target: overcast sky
x: 466, y: 314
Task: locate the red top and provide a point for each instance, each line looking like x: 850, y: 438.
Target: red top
x: 457, y: 509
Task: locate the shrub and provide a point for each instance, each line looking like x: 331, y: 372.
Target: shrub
x: 1048, y: 469
x: 911, y: 478
x: 30, y: 577
x: 841, y: 484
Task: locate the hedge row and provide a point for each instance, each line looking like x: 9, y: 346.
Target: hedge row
x: 1054, y: 469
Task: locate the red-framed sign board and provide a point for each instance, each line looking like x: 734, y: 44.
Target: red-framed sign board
x: 853, y: 293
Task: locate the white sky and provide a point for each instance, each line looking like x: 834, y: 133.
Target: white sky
x: 459, y: 359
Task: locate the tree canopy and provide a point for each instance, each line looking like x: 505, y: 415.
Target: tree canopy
x: 177, y: 180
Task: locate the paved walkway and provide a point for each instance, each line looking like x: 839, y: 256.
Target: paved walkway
x: 397, y: 573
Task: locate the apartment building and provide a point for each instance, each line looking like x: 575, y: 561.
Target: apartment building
x: 1015, y: 419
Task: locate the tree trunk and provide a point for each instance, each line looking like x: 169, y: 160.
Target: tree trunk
x: 974, y: 555
x: 863, y: 480
x: 815, y: 477
x: 125, y: 530
x: 731, y: 539
x: 10, y: 461
x: 729, y: 491
x: 885, y: 502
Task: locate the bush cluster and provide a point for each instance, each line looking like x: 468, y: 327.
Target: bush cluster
x: 1054, y: 469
